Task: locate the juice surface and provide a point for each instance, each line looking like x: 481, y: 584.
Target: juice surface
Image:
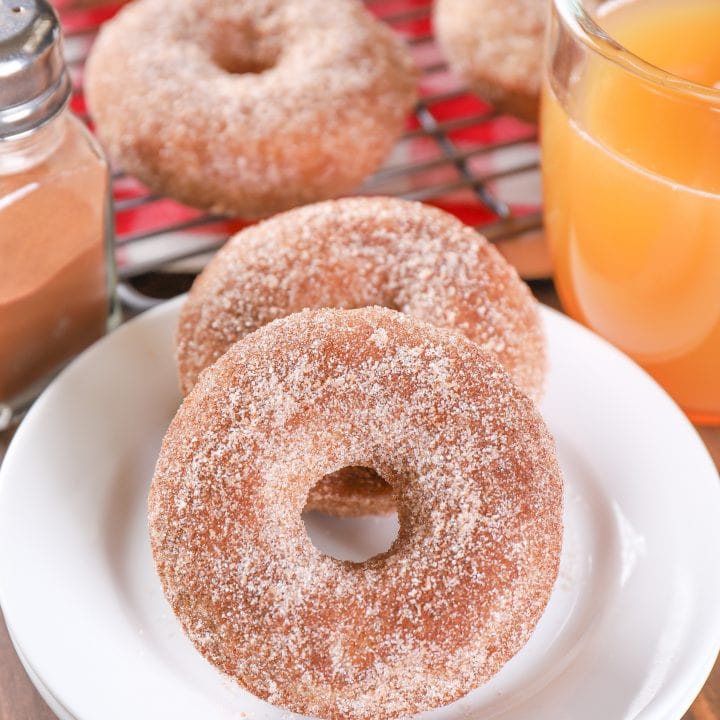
x: 632, y: 197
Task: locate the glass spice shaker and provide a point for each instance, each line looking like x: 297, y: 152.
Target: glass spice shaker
x: 57, y: 276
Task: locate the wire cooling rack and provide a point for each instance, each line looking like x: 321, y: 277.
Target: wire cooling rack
x: 456, y: 153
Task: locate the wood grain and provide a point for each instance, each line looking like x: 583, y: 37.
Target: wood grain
x: 707, y: 705
x: 18, y: 698
x: 20, y: 701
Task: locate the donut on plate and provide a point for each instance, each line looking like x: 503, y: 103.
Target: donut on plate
x: 351, y: 253
x: 249, y: 107
x: 479, y: 497
x: 496, y: 46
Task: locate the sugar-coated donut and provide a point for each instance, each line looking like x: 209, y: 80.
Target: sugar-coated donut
x: 496, y: 46
x: 352, y: 253
x: 249, y: 107
x: 479, y: 497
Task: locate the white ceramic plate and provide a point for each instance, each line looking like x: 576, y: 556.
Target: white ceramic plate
x: 631, y: 631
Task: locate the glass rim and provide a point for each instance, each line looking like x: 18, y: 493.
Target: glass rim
x: 575, y: 16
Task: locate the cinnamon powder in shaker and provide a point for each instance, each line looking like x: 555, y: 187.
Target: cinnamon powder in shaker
x: 53, y: 274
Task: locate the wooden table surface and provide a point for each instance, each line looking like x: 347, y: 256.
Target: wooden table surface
x: 20, y: 701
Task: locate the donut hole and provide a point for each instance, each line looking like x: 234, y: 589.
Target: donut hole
x: 356, y: 539
x: 239, y: 49
x: 235, y: 65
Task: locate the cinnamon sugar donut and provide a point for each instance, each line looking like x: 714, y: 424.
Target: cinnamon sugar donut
x: 352, y: 253
x: 479, y: 496
x: 496, y: 46
x: 249, y: 107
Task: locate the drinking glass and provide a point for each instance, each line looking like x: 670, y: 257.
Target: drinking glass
x: 631, y: 183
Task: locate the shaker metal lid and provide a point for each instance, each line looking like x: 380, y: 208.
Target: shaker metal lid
x: 34, y: 82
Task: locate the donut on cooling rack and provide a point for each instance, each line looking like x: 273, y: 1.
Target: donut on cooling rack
x: 496, y: 46
x: 355, y: 252
x: 249, y: 107
x: 479, y: 501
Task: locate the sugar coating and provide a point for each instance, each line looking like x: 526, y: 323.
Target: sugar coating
x: 479, y: 497
x: 496, y: 46
x: 249, y: 107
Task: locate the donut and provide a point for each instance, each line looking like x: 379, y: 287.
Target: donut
x: 496, y: 46
x: 249, y: 107
x: 479, y: 496
x: 355, y: 252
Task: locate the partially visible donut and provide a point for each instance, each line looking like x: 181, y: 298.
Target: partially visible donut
x: 496, y: 46
x: 249, y: 107
x: 479, y: 496
x: 355, y: 252
x: 351, y: 492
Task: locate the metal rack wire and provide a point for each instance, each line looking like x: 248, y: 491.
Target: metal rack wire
x: 457, y: 153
